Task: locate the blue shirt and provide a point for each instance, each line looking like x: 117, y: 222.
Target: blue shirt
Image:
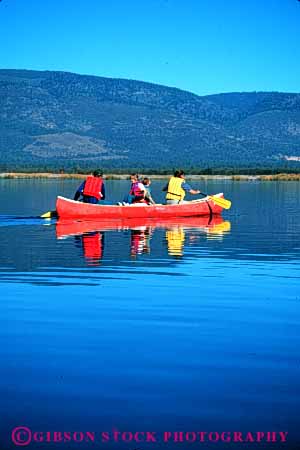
x: 186, y: 187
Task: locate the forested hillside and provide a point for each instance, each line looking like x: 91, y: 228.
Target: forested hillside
x: 52, y: 120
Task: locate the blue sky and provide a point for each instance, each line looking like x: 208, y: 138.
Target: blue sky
x: 203, y: 46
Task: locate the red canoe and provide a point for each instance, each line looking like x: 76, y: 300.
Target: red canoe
x: 67, y: 208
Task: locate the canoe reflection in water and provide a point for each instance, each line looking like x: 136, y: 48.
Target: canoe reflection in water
x: 178, y: 232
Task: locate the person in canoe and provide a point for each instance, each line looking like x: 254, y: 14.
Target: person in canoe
x: 148, y: 197
x: 137, y: 191
x: 92, y: 189
x: 177, y: 188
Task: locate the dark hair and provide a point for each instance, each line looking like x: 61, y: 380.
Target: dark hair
x: 134, y: 175
x: 146, y: 181
x: 178, y: 173
x: 97, y: 173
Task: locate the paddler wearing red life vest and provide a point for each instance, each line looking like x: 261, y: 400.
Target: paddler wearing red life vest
x: 177, y: 188
x: 92, y: 189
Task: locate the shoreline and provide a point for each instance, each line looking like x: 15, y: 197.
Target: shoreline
x: 111, y: 176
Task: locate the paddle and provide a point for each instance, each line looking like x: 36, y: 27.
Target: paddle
x: 226, y: 204
x: 48, y: 215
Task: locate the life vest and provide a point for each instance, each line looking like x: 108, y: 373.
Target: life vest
x: 175, y: 191
x: 93, y: 186
x: 137, y: 192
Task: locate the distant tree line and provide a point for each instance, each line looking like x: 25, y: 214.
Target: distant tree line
x: 261, y: 170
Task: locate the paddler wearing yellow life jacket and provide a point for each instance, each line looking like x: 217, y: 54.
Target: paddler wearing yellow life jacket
x: 92, y: 189
x: 177, y: 188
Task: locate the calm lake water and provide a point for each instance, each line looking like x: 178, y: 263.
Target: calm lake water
x: 190, y: 325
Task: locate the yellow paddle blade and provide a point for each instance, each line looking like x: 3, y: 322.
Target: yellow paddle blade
x: 226, y: 204
x: 46, y: 215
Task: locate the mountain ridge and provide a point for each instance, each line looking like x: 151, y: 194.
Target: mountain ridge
x: 51, y: 119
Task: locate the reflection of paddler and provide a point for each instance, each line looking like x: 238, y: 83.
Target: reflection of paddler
x: 92, y: 246
x: 140, y: 241
x: 175, y: 239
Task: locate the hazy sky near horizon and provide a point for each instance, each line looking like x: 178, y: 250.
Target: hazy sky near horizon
x: 203, y: 46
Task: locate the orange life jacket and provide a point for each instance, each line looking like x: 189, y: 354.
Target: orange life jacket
x: 93, y: 186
